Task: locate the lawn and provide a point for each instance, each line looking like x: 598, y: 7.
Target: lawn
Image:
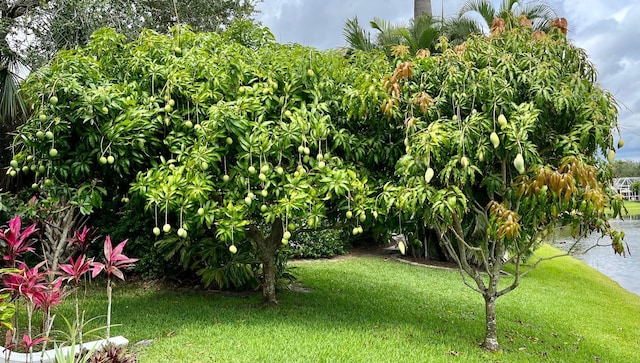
x: 373, y: 309
x: 632, y: 207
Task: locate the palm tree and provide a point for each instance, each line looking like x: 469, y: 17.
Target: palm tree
x: 538, y: 12
x: 356, y: 37
x: 420, y: 33
x: 421, y: 7
x: 12, y: 107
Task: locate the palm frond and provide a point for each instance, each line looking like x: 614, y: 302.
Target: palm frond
x: 427, y: 39
x: 539, y: 12
x: 356, y: 37
x: 406, y: 38
x: 12, y: 106
x: 459, y: 29
x: 507, y: 7
x: 482, y: 7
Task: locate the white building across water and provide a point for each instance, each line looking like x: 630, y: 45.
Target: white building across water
x: 623, y: 186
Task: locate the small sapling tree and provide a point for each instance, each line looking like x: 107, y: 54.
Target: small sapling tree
x: 504, y: 137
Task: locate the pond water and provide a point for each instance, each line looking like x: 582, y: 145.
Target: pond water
x: 624, y: 270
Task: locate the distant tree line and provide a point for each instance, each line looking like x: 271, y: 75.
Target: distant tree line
x: 626, y: 168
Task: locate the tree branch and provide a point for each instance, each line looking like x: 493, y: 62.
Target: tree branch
x: 21, y: 7
x: 456, y: 258
x: 462, y: 247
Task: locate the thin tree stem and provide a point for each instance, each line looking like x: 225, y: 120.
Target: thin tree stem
x: 108, y: 308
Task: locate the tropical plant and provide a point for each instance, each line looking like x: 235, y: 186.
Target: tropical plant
x: 503, y: 136
x: 12, y: 107
x: 7, y: 310
x: 481, y: 14
x: 75, y: 270
x: 47, y: 298
x: 71, y: 355
x: 31, y: 32
x: 27, y: 343
x: 36, y: 289
x: 635, y: 187
x: 27, y: 284
x: 16, y: 240
x: 76, y: 330
x: 420, y: 33
x: 81, y: 241
x: 356, y: 37
x: 114, y: 262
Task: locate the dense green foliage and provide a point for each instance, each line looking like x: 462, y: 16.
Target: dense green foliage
x: 54, y: 25
x: 64, y: 24
x: 226, y: 152
x: 320, y: 244
x: 238, y: 145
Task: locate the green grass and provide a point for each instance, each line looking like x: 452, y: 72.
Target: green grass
x: 632, y: 207
x: 369, y: 309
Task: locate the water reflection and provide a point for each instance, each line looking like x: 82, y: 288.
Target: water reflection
x: 624, y: 270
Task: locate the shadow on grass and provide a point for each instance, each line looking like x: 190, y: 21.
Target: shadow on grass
x: 340, y: 294
x: 354, y: 297
x: 367, y: 300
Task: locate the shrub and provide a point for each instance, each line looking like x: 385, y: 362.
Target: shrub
x: 320, y: 244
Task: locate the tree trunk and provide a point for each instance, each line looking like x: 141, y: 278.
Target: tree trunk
x: 491, y: 338
x: 269, y: 279
x: 268, y: 247
x: 421, y: 7
x: 59, y: 247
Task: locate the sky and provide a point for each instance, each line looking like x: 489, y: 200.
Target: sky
x: 607, y: 29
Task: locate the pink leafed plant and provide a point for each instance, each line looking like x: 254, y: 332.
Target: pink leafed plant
x: 51, y: 295
x: 27, y: 342
x: 76, y: 269
x: 18, y: 242
x: 82, y: 239
x: 115, y: 261
x: 29, y: 284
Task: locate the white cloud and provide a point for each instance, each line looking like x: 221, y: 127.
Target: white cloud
x: 613, y: 43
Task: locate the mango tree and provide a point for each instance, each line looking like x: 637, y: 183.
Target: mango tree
x: 252, y: 150
x: 230, y: 138
x: 504, y: 142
